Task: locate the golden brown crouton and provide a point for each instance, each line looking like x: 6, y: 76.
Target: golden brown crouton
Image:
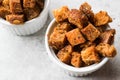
x: 29, y: 3
x: 106, y: 50
x: 102, y: 18
x: 57, y: 40
x: 86, y: 9
x: 86, y: 44
x: 61, y: 14
x: 75, y: 37
x: 63, y: 27
x: 107, y: 36
x: 65, y: 54
x: 5, y: 3
x: 77, y: 18
x: 31, y: 13
x: 15, y: 6
x: 4, y: 12
x: 15, y: 18
x: 76, y: 60
x: 90, y: 32
x: 89, y: 55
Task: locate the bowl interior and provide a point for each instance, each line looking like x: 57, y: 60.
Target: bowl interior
x: 54, y: 58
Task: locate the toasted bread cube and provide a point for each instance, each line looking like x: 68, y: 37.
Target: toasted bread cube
x: 86, y: 9
x: 107, y: 36
x: 29, y: 3
x: 15, y: 18
x: 87, y: 44
x: 76, y: 60
x: 65, y: 54
x: 90, y: 56
x: 77, y: 18
x: 102, y: 18
x: 40, y: 3
x: 1, y: 1
x: 4, y: 11
x: 106, y: 50
x: 5, y: 3
x: 90, y: 32
x: 75, y: 37
x: 61, y: 14
x: 63, y: 27
x: 57, y: 40
x: 31, y: 13
x: 15, y: 6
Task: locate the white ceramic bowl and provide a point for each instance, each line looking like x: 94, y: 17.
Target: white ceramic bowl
x: 66, y: 68
x: 29, y: 27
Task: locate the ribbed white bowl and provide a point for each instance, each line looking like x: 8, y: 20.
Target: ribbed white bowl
x: 28, y: 27
x: 72, y: 71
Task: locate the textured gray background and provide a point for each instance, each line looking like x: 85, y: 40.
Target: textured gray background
x: 25, y: 58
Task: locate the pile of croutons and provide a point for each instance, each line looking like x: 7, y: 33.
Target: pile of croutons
x: 19, y: 11
x: 82, y: 38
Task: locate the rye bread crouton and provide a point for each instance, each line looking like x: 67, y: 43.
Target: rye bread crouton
x: 75, y: 37
x: 61, y: 14
x: 15, y: 18
x: 65, y: 54
x: 102, y: 18
x: 90, y: 56
x: 78, y: 18
x: 106, y: 50
x: 76, y: 60
x: 90, y: 32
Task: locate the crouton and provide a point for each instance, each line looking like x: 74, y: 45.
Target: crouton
x: 61, y: 14
x: 90, y: 32
x: 31, y: 13
x: 107, y: 36
x: 4, y: 12
x: 5, y: 3
x: 102, y: 18
x: 63, y: 27
x: 86, y: 9
x: 76, y: 60
x: 1, y: 1
x: 86, y: 44
x: 106, y: 50
x: 90, y: 56
x: 15, y: 6
x: 77, y: 18
x: 29, y: 3
x: 65, y: 54
x: 15, y: 18
x: 75, y: 37
x: 40, y: 3
x: 57, y: 40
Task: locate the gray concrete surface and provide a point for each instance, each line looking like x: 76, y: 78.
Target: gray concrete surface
x: 25, y: 57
